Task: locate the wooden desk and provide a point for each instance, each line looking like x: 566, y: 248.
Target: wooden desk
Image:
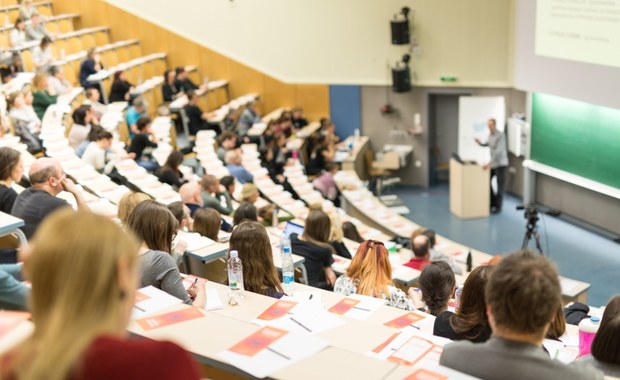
x: 356, y: 160
x: 11, y: 225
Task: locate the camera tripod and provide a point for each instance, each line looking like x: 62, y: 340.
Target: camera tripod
x: 532, y: 233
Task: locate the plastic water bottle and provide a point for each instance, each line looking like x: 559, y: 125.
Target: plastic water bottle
x: 288, y: 271
x: 274, y: 218
x: 457, y: 298
x: 587, y: 330
x: 235, y: 278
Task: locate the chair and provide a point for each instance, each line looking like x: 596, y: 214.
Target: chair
x: 134, y: 50
x: 53, y: 27
x: 74, y: 45
x: 102, y: 37
x: 124, y: 54
x: 379, y: 171
x: 66, y: 25
x: 88, y: 41
x: 123, y: 132
x: 70, y: 74
x: 109, y: 58
x: 27, y: 60
x: 45, y: 10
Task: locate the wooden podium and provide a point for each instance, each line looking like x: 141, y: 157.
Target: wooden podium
x: 469, y: 190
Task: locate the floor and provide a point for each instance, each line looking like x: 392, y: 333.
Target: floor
x: 579, y: 254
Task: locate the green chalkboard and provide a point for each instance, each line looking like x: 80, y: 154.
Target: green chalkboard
x: 576, y: 137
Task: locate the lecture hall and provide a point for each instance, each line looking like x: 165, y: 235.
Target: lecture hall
x: 354, y: 189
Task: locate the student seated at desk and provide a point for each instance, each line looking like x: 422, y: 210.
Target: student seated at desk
x: 351, y: 232
x: 27, y: 9
x: 92, y: 99
x: 192, y: 198
x: 99, y: 155
x: 182, y: 81
x: 248, y: 117
x: 245, y: 211
x: 42, y: 57
x: 298, y: 119
x: 522, y: 293
x: 155, y: 226
x: 91, y: 65
x: 36, y: 30
x: 420, y: 245
x: 197, y: 119
x: 13, y: 292
x: 249, y: 193
x: 57, y: 80
x: 81, y: 306
x: 142, y: 140
x: 128, y: 202
x: 119, y: 92
x: 34, y: 204
x: 370, y: 274
x: 274, y: 157
x: 137, y: 110
x: 228, y: 141
x: 214, y: 195
x: 605, y: 350
x: 233, y: 164
x: 182, y: 214
x: 470, y: 321
x: 336, y: 236
x: 17, y: 36
x: 314, y: 246
x: 228, y: 182
x: 82, y: 125
x: 322, y: 152
x: 11, y: 171
x: 43, y: 95
x: 436, y: 255
x: 170, y: 173
x: 169, y: 90
x: 324, y: 183
x: 436, y: 287
x: 207, y: 223
x: 251, y: 240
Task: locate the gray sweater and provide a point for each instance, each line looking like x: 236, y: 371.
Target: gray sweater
x: 159, y: 269
x: 499, y: 154
x: 607, y: 368
x: 501, y: 359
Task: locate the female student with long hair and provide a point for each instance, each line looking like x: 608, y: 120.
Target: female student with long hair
x: 128, y: 202
x: 156, y: 227
x: 250, y: 239
x: 207, y: 223
x: 436, y: 285
x: 470, y: 320
x: 81, y: 304
x: 11, y: 170
x: 605, y: 351
x: 370, y: 274
x: 314, y: 246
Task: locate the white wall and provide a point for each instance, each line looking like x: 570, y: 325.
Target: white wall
x: 346, y: 41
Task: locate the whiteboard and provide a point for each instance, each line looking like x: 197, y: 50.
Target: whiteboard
x: 474, y: 111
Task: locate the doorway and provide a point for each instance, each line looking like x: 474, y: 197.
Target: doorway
x: 443, y: 111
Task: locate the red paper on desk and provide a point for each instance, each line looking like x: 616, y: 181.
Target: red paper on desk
x: 10, y: 319
x: 343, y: 306
x: 141, y: 297
x: 170, y: 318
x: 277, y: 310
x: 404, y: 320
x: 258, y: 341
x: 383, y: 345
x: 425, y: 374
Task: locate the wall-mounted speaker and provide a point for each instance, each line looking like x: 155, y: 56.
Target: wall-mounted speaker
x: 400, y: 32
x: 401, y: 79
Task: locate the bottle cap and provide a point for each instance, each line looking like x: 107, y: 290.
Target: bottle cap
x: 595, y: 319
x: 234, y: 254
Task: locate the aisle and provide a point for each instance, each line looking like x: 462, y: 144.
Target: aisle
x: 580, y: 254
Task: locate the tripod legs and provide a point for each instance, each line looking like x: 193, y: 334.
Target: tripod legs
x: 529, y: 234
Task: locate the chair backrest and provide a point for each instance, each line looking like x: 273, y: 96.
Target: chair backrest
x: 123, y: 132
x: 66, y: 25
x: 102, y: 38
x: 27, y: 60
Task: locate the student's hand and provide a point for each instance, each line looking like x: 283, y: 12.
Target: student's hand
x: 478, y: 141
x: 197, y: 292
x: 181, y: 247
x: 330, y: 276
x: 131, y: 156
x: 69, y: 185
x: 415, y: 295
x: 486, y: 166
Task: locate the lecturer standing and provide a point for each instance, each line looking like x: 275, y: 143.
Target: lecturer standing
x: 498, y: 163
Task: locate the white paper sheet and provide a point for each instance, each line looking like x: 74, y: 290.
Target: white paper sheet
x: 157, y: 300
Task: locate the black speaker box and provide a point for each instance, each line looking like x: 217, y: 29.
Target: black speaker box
x: 401, y: 79
x: 400, y: 32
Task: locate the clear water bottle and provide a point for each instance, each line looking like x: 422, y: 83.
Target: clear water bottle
x: 457, y: 298
x: 274, y: 218
x: 288, y: 271
x: 235, y: 278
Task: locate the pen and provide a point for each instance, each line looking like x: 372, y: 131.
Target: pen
x: 278, y: 353
x: 557, y: 353
x: 139, y: 308
x: 360, y: 308
x: 301, y: 324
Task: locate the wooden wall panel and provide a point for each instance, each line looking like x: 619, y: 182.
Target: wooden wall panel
x: 181, y: 51
x: 314, y: 99
x: 278, y: 94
